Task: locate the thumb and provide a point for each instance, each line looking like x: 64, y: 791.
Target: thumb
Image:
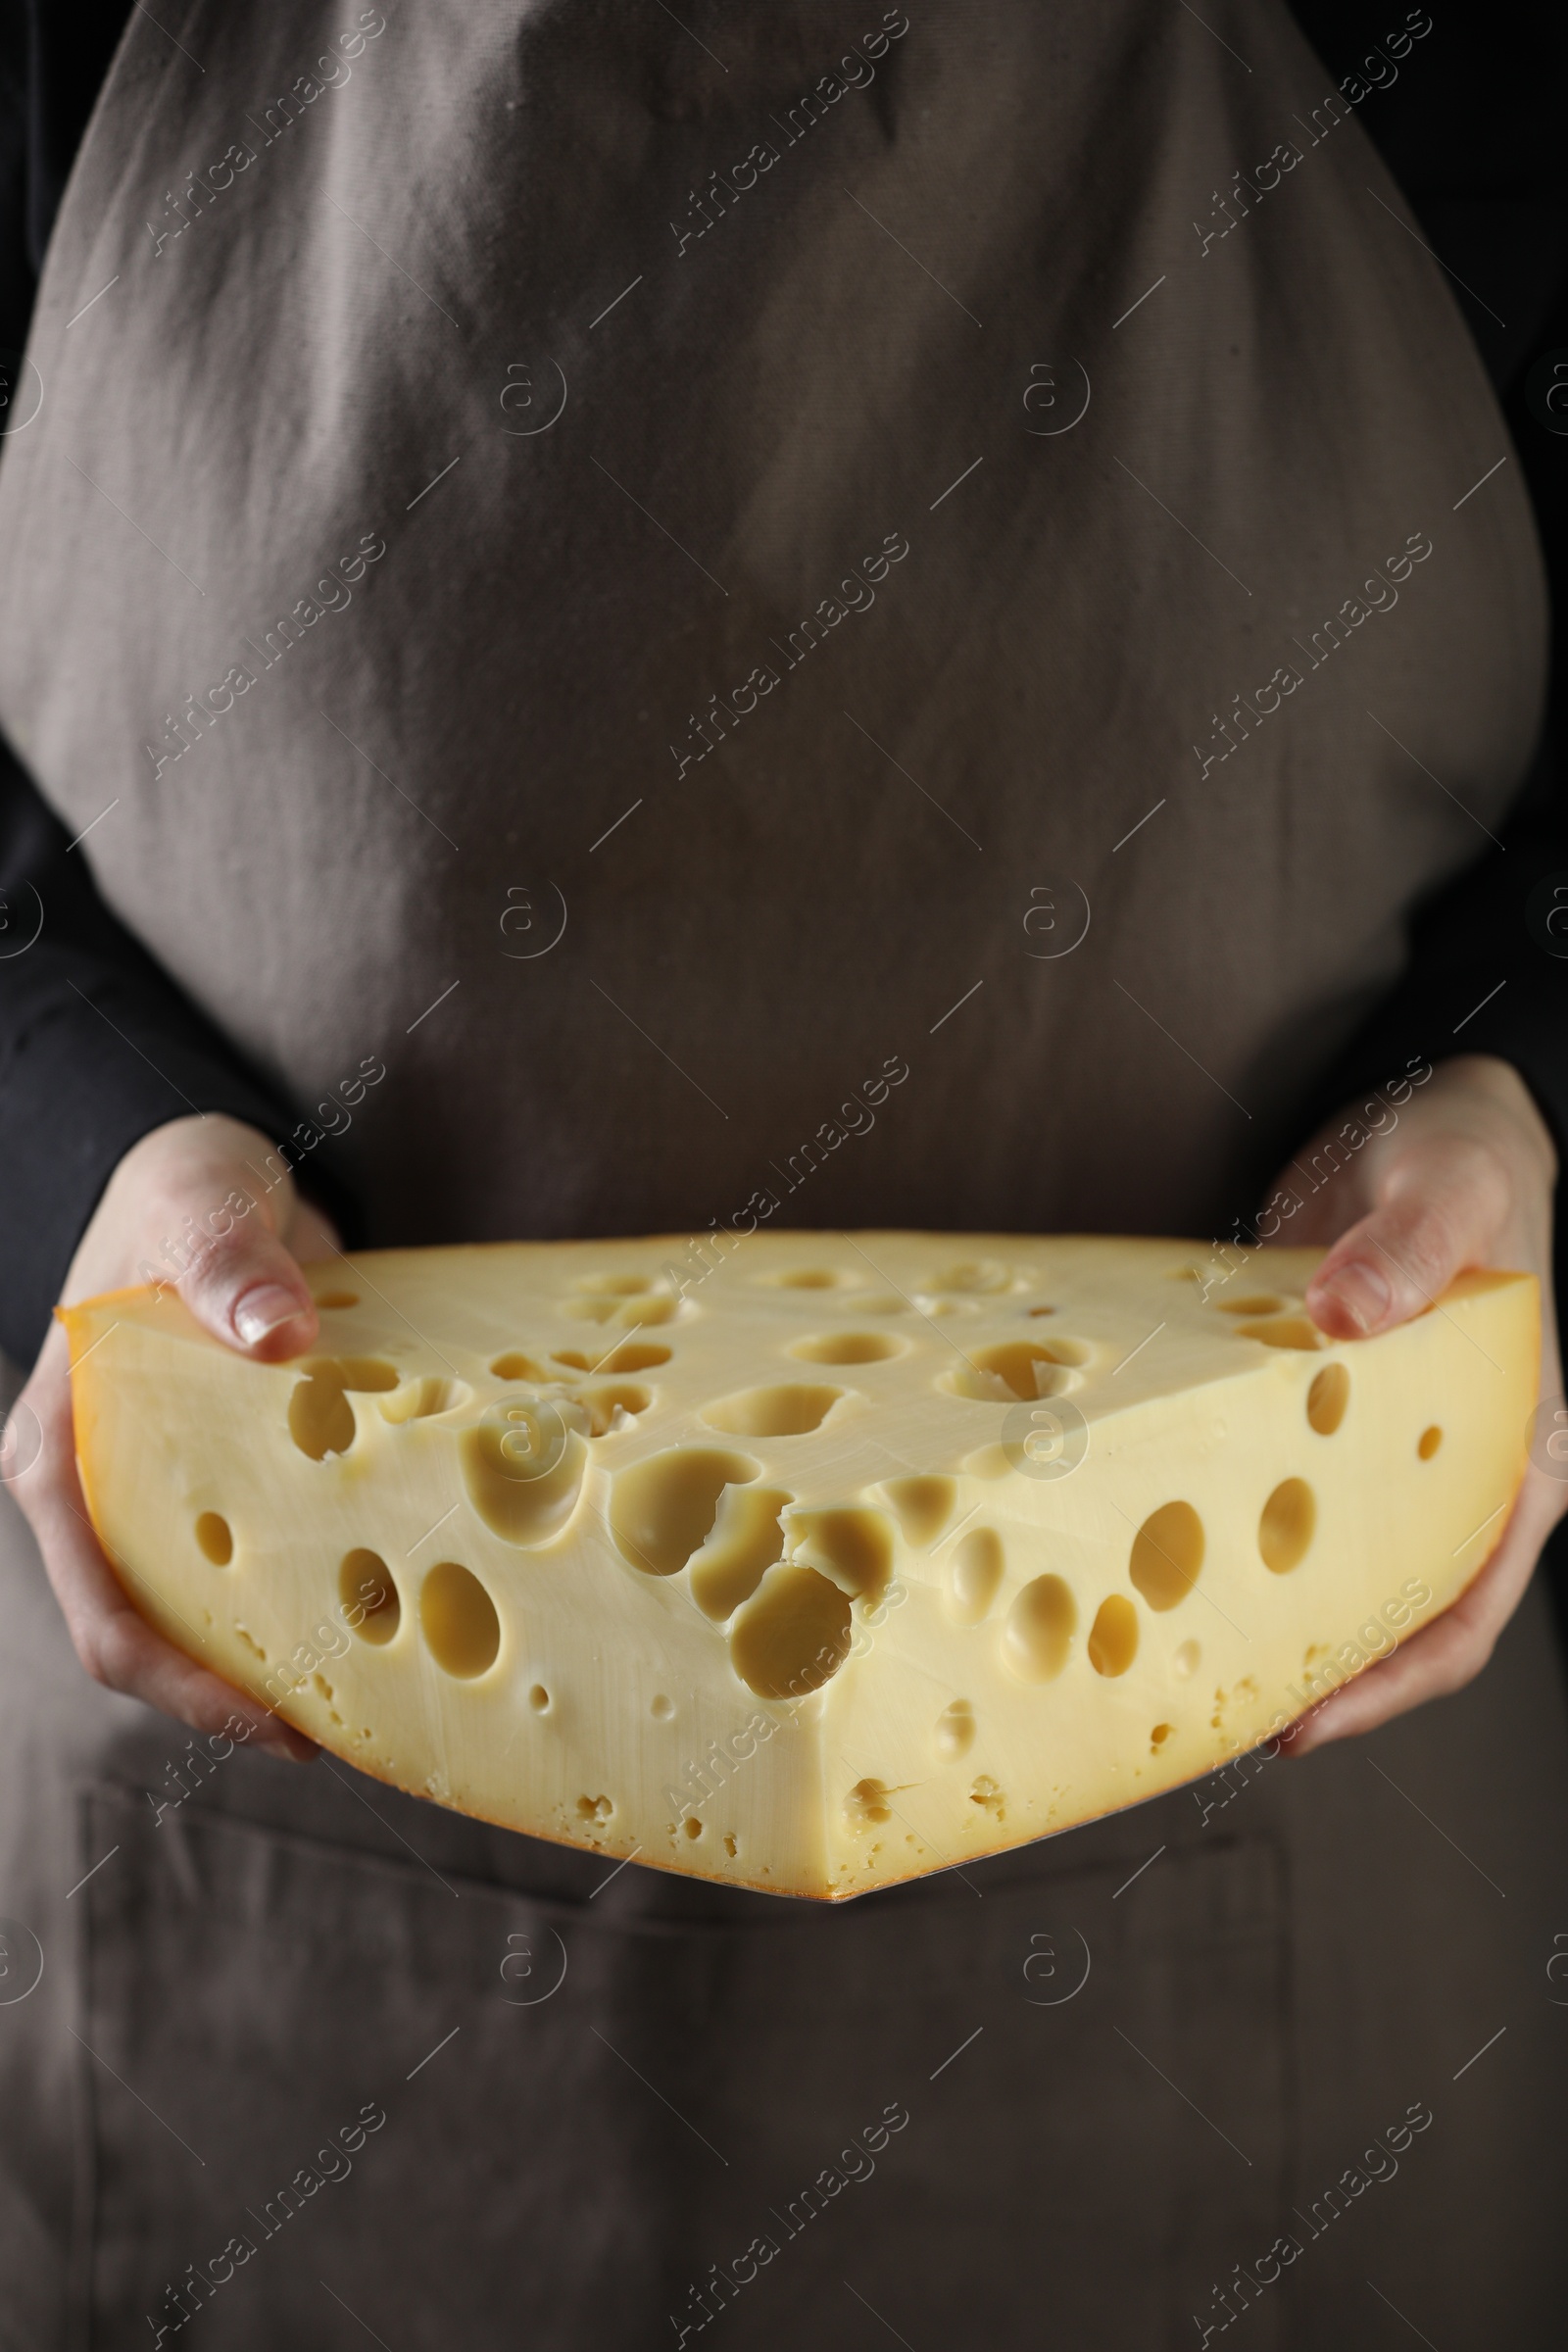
x: 1440, y: 1213
x: 247, y: 1289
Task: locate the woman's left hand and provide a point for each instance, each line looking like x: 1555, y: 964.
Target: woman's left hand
x: 1463, y: 1176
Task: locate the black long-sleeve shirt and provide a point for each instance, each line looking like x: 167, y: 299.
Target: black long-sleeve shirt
x: 98, y: 1046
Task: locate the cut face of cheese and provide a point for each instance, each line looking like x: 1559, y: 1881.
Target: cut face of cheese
x: 850, y: 1559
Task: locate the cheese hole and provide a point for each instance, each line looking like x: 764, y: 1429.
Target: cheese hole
x: 867, y: 1802
x: 572, y: 1357
x: 635, y: 1355
x: 955, y: 1732
x: 369, y: 1372
x: 514, y: 1367
x: 663, y: 1509
x: 1283, y: 1331
x: 612, y: 1407
x: 660, y: 1309
x: 1042, y: 1310
x: 984, y: 1274
x: 850, y: 1347
x: 458, y: 1619
x: 731, y: 1847
x: 1038, y: 1630
x: 596, y: 1809
x: 1327, y: 1399
x: 987, y: 1795
x: 422, y: 1398
x: 691, y: 1826
x: 539, y: 1700
x: 1166, y: 1555
x: 1287, y: 1526
x: 1113, y: 1636
x: 974, y: 1575
x: 923, y: 1506
x: 853, y: 1546
x: 615, y: 1286
x: 1187, y: 1660
x: 1429, y: 1442
x: 787, y: 1412
x: 334, y: 1300
x: 1262, y: 1303
x: 1159, y: 1735
x: 793, y: 1637
x: 662, y: 1709
x: 523, y: 1466
x: 216, y: 1537
x: 746, y: 1539
x: 1024, y: 1368
x: 320, y: 1418
x: 812, y: 1278
x: 369, y: 1595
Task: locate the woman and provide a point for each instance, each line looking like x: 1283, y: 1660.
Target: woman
x: 594, y: 576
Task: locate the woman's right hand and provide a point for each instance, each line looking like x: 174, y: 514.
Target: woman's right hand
x: 174, y: 1192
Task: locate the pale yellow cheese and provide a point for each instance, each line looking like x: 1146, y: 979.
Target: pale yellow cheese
x: 851, y: 1558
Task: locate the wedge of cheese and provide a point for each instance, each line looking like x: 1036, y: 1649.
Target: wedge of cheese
x: 814, y: 1562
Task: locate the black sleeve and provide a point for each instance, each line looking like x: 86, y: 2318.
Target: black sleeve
x: 1474, y: 131
x: 97, y: 1043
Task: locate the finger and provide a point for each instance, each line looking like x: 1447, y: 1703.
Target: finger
x: 1445, y: 1655
x: 247, y: 1288
x: 1445, y: 1204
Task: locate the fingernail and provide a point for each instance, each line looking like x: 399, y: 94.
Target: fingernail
x: 1363, y: 1291
x: 263, y: 1310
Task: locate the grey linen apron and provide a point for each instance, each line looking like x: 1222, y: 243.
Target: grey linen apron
x: 640, y: 573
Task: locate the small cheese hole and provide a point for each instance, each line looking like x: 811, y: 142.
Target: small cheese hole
x: 516, y: 1366
x: 539, y: 1700
x: 1166, y: 1555
x: 812, y: 1278
x: 1327, y: 1399
x: 1429, y: 1442
x: 1113, y: 1636
x: 1262, y: 1303
x: 334, y: 1300
x: 611, y: 1408
x: 1161, y: 1734
x: 662, y: 1709
x: 850, y: 1347
x: 635, y: 1355
x: 1040, y: 1628
x: 216, y: 1537
x: 596, y: 1809
x: 924, y: 1505
x: 983, y: 1274
x: 974, y: 1575
x: 867, y: 1803
x: 1284, y: 1331
x: 691, y: 1826
x: 955, y: 1732
x: 1287, y: 1526
x: 787, y: 1412
x: 731, y: 1847
x: 320, y: 1418
x: 459, y: 1621
x: 369, y: 1595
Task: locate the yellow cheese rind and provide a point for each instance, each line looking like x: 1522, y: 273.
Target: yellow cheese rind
x: 779, y: 1575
